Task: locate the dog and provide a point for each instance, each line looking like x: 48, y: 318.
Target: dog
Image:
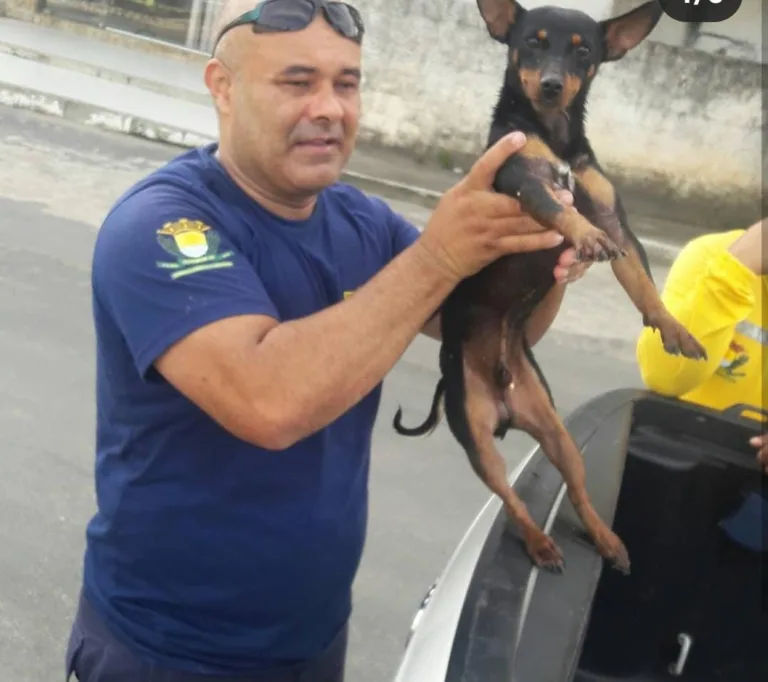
x: 490, y: 381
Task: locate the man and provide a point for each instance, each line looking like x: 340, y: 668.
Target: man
x: 718, y: 288
x: 247, y: 306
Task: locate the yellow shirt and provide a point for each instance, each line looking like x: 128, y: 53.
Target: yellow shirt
x: 723, y: 304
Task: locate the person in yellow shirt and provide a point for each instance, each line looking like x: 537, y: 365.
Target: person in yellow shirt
x: 717, y: 288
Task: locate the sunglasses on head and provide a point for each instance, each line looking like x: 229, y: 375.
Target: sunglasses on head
x: 294, y: 15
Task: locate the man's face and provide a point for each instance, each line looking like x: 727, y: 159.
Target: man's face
x: 290, y: 105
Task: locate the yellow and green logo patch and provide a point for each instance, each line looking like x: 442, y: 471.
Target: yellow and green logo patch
x: 194, y: 247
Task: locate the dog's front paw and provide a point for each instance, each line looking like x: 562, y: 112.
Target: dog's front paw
x: 544, y: 552
x: 676, y: 338
x: 612, y: 548
x: 591, y: 243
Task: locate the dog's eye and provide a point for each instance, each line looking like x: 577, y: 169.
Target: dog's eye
x: 534, y: 41
x: 582, y: 51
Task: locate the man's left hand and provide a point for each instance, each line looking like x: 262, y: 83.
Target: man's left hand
x: 761, y: 443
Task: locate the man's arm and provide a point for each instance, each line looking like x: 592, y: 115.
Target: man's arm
x: 709, y: 292
x: 210, y: 328
x: 567, y: 271
x: 544, y: 314
x: 274, y: 384
x: 213, y: 332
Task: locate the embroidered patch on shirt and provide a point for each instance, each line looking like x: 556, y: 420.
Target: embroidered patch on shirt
x: 195, y: 247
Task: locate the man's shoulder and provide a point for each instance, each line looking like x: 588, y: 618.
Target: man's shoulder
x: 371, y: 213
x: 375, y: 220
x: 169, y: 208
x: 174, y: 191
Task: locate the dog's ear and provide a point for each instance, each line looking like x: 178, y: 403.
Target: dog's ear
x: 622, y: 33
x: 499, y: 16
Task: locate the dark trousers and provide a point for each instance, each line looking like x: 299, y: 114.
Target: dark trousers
x: 94, y: 655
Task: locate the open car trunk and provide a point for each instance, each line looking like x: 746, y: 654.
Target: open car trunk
x: 694, y: 606
x: 666, y: 475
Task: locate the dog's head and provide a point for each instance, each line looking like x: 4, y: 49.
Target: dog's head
x: 554, y: 53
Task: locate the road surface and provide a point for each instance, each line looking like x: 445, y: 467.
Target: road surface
x: 56, y: 183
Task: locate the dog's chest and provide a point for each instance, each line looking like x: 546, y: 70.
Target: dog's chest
x: 559, y: 133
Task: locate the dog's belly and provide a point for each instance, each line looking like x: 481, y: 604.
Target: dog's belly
x: 512, y: 285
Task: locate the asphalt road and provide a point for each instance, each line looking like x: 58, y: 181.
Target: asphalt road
x: 56, y: 183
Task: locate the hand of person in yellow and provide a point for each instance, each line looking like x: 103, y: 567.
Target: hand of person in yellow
x: 761, y: 443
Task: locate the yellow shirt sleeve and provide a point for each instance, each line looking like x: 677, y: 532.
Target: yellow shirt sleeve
x: 709, y: 292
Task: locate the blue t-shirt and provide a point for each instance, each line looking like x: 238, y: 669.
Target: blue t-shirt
x: 208, y: 553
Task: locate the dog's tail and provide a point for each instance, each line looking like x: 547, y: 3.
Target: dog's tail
x: 433, y: 419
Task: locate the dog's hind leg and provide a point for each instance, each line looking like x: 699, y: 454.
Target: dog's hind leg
x: 475, y: 411
x: 531, y: 410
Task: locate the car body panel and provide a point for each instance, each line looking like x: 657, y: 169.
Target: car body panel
x: 492, y: 616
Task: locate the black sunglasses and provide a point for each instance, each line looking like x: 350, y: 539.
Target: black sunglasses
x: 294, y: 15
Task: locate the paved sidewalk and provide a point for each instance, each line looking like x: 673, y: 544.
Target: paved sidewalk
x: 100, y: 84
x: 60, y: 48
x: 80, y: 78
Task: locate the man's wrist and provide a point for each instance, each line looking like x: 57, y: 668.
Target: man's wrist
x: 432, y: 266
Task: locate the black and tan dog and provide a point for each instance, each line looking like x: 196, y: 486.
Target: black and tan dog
x: 490, y: 380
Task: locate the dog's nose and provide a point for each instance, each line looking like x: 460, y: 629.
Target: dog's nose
x: 551, y: 87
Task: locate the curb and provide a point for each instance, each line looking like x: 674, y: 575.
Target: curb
x: 412, y: 191
x: 114, y: 121
x: 659, y: 250
x: 97, y: 117
x: 107, y: 74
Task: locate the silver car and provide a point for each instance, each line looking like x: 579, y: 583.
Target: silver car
x: 682, y: 488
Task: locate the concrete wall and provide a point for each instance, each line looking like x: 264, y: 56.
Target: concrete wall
x: 684, y: 123
x: 740, y: 37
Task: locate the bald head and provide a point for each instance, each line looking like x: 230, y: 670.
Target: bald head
x: 232, y: 41
x: 230, y: 10
x: 288, y: 102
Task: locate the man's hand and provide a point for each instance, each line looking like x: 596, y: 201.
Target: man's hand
x: 474, y: 225
x: 761, y: 443
x: 752, y: 248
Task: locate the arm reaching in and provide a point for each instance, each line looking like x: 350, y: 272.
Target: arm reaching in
x: 567, y: 271
x: 760, y: 443
x: 709, y: 292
